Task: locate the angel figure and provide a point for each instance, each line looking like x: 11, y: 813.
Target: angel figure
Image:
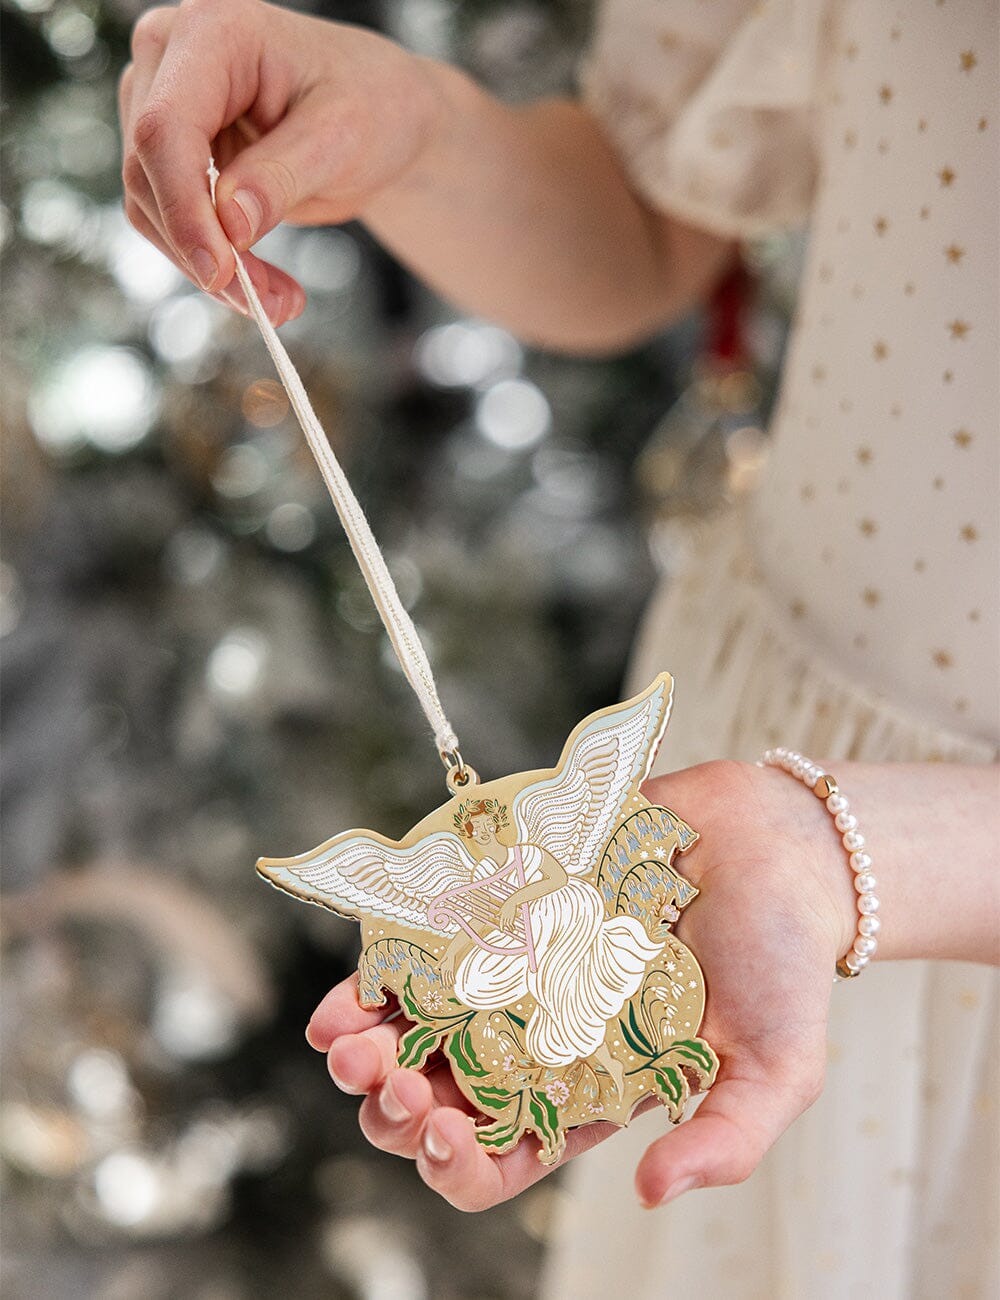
x: 577, y: 964
x: 522, y: 919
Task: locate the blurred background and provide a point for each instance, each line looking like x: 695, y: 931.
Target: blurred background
x: 194, y: 673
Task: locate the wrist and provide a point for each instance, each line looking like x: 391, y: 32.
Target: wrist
x: 438, y: 103
x: 826, y: 788
x: 798, y: 814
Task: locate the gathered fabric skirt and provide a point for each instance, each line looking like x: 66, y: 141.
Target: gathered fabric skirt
x: 887, y: 1186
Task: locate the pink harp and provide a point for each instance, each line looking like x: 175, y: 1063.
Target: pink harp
x: 480, y: 901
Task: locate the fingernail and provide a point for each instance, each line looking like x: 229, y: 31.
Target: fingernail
x: 249, y: 205
x: 674, y: 1190
x: 435, y: 1146
x: 344, y: 1087
x: 204, y: 266
x: 392, y: 1108
x: 309, y: 1035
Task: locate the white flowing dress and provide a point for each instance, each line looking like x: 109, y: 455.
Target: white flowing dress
x: 851, y: 612
x: 587, y: 967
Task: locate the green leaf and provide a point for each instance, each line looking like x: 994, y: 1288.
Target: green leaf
x: 690, y: 1056
x: 670, y: 1084
x: 695, y: 1048
x: 503, y: 1132
x: 416, y: 1045
x: 647, y: 1045
x: 410, y: 1004
x: 493, y: 1098
x: 463, y: 1053
x: 630, y: 1040
x: 498, y: 1137
x: 544, y: 1116
x: 516, y: 1019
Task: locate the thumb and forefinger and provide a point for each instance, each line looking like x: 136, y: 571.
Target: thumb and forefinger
x: 190, y: 99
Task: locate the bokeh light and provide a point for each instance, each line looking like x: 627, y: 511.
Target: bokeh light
x: 291, y: 526
x: 265, y: 403
x: 181, y: 328
x: 513, y: 414
x: 236, y: 663
x: 142, y: 272
x: 466, y: 354
x: 104, y: 396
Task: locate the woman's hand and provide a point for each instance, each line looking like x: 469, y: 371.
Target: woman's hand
x: 775, y: 911
x: 307, y: 119
x: 507, y: 916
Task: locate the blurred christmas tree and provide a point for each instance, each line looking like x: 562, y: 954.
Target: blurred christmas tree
x: 195, y: 674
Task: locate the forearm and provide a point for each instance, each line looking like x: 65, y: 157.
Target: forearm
x: 933, y: 832
x: 935, y: 842
x: 537, y: 889
x: 459, y: 944
x: 524, y: 215
x: 931, y: 829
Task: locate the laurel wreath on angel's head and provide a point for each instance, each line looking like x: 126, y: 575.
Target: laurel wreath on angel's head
x: 480, y: 808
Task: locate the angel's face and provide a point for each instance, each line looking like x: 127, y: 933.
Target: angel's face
x: 483, y: 829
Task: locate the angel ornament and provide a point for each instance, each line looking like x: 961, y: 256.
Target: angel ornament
x: 526, y: 929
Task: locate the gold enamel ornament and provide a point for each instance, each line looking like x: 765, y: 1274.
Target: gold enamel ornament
x: 526, y: 929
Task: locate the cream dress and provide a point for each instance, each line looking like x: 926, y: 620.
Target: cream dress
x: 853, y: 611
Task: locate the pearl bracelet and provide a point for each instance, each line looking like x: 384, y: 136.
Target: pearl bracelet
x: 825, y: 787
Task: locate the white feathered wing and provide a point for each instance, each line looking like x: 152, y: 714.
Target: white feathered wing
x: 574, y: 813
x: 361, y: 876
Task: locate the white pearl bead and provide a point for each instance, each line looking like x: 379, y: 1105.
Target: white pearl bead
x: 869, y: 925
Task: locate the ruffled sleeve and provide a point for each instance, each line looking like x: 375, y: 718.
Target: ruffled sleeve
x: 711, y: 105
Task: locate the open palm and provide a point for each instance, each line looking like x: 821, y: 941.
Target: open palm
x: 769, y: 923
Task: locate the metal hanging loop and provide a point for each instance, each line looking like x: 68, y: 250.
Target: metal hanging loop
x: 459, y: 775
